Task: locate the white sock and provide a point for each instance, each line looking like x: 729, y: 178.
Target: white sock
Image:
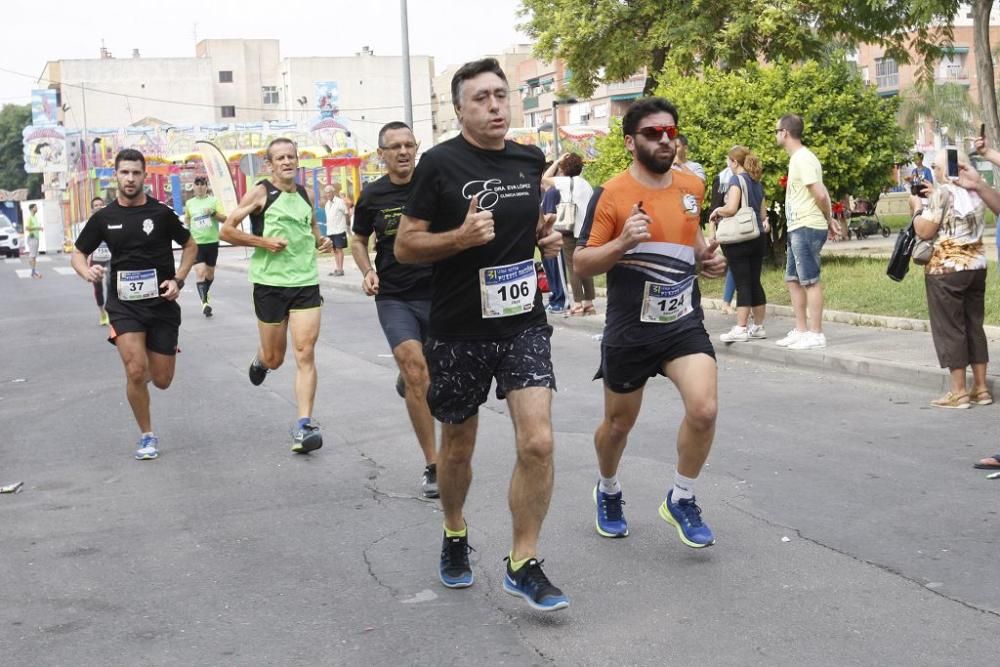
x: 683, y: 487
x: 610, y: 485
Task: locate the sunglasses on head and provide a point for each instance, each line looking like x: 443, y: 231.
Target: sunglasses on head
x: 656, y: 132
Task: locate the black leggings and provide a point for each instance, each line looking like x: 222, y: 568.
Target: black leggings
x: 745, y: 261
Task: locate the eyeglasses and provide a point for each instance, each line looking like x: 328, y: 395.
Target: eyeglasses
x: 656, y: 132
x: 779, y: 129
x: 410, y: 146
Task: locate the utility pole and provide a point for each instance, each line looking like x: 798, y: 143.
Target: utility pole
x: 407, y: 96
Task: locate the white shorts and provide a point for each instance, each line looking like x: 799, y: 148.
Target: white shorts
x: 32, y: 247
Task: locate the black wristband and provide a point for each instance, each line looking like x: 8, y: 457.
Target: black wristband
x: 179, y: 281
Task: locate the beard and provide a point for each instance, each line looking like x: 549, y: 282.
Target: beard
x: 648, y: 159
x: 134, y: 194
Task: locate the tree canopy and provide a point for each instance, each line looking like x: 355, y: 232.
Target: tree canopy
x: 13, y: 119
x: 610, y: 40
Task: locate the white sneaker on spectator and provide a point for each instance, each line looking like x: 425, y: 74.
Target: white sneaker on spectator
x: 757, y: 331
x: 809, y: 341
x: 791, y: 337
x: 735, y: 335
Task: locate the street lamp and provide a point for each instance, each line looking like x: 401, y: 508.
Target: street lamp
x: 555, y: 123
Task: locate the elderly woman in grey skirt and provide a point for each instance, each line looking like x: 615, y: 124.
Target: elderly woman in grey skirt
x: 955, y: 278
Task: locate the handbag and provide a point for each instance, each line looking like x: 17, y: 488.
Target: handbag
x: 899, y: 261
x: 566, y: 213
x: 923, y: 249
x: 740, y: 227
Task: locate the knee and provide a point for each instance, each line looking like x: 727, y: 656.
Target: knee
x: 415, y: 373
x: 701, y: 417
x: 619, y: 425
x: 137, y: 372
x: 163, y: 380
x: 535, y: 449
x: 305, y: 352
x: 272, y: 359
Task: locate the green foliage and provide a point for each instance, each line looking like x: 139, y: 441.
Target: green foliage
x: 13, y: 119
x: 947, y: 103
x: 610, y: 40
x: 849, y: 127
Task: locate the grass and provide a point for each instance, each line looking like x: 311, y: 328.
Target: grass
x: 897, y: 222
x: 859, y: 285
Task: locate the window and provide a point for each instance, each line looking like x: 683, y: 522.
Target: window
x: 886, y: 73
x: 225, y: 76
x: 229, y: 112
x: 270, y: 94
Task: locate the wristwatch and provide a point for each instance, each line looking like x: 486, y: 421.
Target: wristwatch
x: 179, y: 281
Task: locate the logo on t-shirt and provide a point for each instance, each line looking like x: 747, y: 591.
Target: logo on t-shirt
x: 490, y: 191
x: 147, y: 226
x: 690, y: 204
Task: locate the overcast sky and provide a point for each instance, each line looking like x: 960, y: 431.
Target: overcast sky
x: 452, y: 31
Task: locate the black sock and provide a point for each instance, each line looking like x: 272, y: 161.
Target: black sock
x: 208, y: 286
x: 202, y: 291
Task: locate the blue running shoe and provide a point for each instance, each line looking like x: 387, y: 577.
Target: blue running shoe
x: 610, y: 518
x: 455, y: 570
x: 306, y: 438
x: 147, y: 448
x: 531, y: 584
x: 685, y: 515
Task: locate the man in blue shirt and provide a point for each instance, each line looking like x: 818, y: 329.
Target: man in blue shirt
x: 557, y: 290
x: 921, y: 172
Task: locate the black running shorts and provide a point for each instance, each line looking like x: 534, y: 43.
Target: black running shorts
x: 208, y: 253
x: 626, y: 369
x: 403, y: 320
x: 160, y: 323
x: 462, y: 371
x: 272, y: 304
x: 339, y: 240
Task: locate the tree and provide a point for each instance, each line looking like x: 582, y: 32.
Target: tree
x: 850, y: 128
x: 981, y: 10
x: 610, y: 40
x: 949, y: 104
x: 13, y: 119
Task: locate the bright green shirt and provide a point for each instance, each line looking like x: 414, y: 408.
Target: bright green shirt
x: 288, y: 215
x: 801, y: 209
x: 200, y: 213
x: 33, y: 227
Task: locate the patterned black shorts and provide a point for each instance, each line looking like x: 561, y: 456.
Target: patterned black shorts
x: 463, y: 370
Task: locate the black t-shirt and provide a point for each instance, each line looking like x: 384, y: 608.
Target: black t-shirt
x: 378, y: 210
x: 508, y: 183
x: 139, y: 238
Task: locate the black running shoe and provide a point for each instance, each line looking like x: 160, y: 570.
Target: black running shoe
x: 306, y: 438
x: 206, y: 310
x: 455, y: 570
x: 429, y: 481
x: 257, y: 372
x: 531, y: 584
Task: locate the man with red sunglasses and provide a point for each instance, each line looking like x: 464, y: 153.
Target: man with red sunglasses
x: 642, y: 230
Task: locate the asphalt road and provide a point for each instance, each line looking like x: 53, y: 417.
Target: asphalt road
x: 851, y: 528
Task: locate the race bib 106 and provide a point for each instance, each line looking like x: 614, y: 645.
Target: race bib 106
x: 508, y: 290
x: 136, y: 285
x: 663, y: 304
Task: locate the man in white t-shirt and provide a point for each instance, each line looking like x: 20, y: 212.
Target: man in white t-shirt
x: 682, y: 163
x: 337, y: 215
x: 810, y: 221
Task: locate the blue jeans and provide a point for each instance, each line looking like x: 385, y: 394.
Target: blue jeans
x: 557, y: 291
x: 730, y: 289
x: 804, y: 246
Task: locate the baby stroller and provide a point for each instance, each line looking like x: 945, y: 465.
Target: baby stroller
x: 865, y: 222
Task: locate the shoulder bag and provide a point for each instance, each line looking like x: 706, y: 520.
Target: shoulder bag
x: 742, y: 226
x: 566, y: 213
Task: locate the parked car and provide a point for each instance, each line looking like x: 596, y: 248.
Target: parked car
x: 10, y: 240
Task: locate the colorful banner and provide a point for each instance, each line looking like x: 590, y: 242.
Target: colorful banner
x: 217, y: 168
x: 44, y: 109
x: 44, y: 149
x: 327, y: 98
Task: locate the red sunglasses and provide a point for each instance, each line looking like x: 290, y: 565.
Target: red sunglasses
x: 656, y: 132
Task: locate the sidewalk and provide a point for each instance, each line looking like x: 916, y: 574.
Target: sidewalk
x: 876, y: 352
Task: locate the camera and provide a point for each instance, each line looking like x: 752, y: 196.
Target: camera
x: 917, y: 188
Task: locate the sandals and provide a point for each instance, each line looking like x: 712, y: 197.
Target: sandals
x: 989, y: 463
x: 590, y: 310
x: 577, y: 309
x: 981, y: 398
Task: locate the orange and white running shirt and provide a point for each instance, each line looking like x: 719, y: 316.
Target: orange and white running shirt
x: 653, y: 289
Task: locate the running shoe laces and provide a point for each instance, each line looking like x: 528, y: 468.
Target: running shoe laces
x: 611, y: 506
x: 690, y: 512
x: 455, y: 554
x: 532, y: 580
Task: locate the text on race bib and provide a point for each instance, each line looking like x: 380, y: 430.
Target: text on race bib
x: 508, y: 290
x: 663, y: 304
x: 136, y: 285
x: 102, y: 254
x: 203, y: 221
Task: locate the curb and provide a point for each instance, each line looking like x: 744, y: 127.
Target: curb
x: 829, y: 360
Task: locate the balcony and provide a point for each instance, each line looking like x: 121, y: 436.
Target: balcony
x: 887, y: 84
x: 952, y: 74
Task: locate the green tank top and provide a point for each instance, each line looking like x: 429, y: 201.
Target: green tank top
x: 287, y: 215
x: 201, y: 218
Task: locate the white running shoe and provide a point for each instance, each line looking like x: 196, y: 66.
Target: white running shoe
x: 791, y: 337
x: 735, y: 335
x: 757, y: 332
x: 809, y: 341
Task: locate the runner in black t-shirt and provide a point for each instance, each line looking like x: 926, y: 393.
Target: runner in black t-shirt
x: 144, y: 285
x: 402, y: 292
x: 101, y: 256
x: 474, y: 213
